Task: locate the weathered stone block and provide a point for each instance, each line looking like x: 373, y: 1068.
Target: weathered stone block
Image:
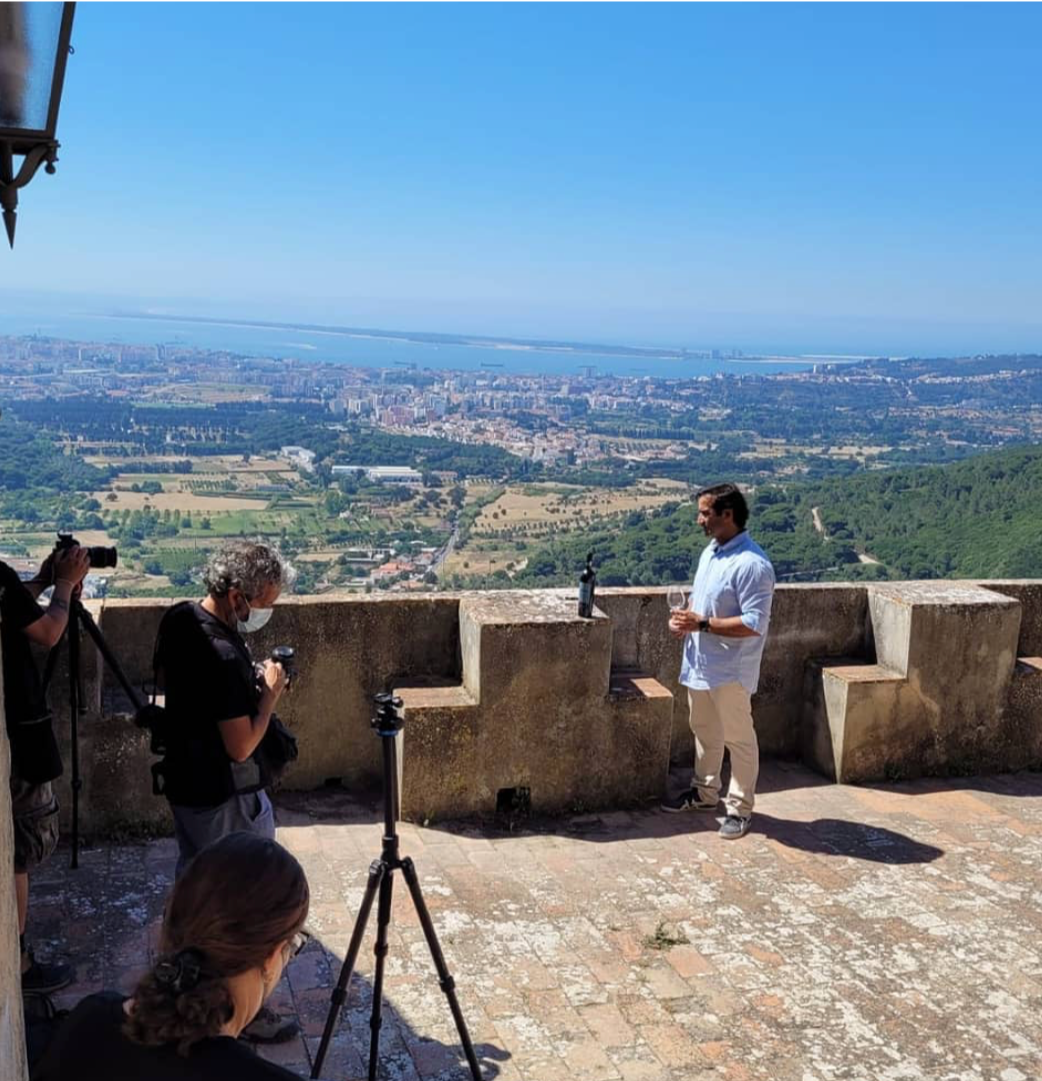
x: 935, y: 702
x: 855, y: 713
x: 535, y: 712
x: 1020, y: 743
x: 1029, y: 594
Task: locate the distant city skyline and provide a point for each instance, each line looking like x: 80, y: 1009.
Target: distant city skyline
x: 857, y: 178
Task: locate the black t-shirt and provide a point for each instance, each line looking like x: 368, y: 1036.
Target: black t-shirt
x: 34, y: 751
x: 208, y: 676
x: 23, y: 691
x: 90, y: 1046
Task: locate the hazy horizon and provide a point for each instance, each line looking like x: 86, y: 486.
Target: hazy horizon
x: 825, y: 178
x: 833, y: 335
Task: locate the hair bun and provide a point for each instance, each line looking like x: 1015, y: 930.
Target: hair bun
x: 180, y: 972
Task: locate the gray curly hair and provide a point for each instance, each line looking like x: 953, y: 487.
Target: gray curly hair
x: 249, y: 566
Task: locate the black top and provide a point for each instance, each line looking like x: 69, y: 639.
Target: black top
x: 90, y: 1046
x: 208, y: 675
x: 23, y: 691
x: 34, y: 752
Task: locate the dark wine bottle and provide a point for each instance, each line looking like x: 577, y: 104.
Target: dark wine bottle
x: 587, y: 586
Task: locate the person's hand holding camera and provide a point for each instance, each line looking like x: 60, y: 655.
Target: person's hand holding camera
x: 69, y: 565
x: 273, y: 680
x: 44, y: 577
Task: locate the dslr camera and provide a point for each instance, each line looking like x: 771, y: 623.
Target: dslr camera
x: 287, y: 657
x: 100, y: 556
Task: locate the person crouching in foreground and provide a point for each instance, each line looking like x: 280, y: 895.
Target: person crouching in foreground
x: 233, y: 922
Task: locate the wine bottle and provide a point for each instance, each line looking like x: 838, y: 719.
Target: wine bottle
x: 587, y: 586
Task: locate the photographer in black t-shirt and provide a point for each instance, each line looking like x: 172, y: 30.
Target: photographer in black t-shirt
x: 218, y: 707
x: 35, y: 760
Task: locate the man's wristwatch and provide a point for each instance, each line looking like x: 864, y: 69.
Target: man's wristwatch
x: 703, y: 625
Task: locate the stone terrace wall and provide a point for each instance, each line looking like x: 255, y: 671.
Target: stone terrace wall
x: 349, y: 648
x: 807, y: 621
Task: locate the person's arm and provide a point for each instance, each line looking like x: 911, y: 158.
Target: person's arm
x: 681, y: 623
x: 755, y: 589
x: 43, y: 579
x: 242, y: 735
x: 731, y: 627
x: 70, y: 568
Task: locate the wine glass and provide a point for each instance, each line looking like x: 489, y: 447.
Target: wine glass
x: 676, y: 598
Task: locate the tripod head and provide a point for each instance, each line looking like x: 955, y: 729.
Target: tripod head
x: 388, y: 719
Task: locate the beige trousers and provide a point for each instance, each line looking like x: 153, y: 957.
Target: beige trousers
x: 723, y: 718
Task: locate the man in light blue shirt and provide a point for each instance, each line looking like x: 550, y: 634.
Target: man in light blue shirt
x: 724, y: 627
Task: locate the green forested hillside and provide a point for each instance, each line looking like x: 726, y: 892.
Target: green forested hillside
x: 979, y: 518
x: 31, y: 460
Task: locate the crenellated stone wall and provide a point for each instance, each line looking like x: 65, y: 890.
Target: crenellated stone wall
x: 511, y: 692
x: 12, y: 1038
x: 512, y: 700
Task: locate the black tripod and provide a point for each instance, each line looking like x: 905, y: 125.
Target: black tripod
x: 387, y: 723
x: 80, y: 617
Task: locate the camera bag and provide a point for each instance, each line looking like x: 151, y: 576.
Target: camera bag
x: 278, y: 747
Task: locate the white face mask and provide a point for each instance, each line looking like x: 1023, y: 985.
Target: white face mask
x: 254, y: 621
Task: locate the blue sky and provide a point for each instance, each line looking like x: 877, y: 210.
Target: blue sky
x: 833, y: 175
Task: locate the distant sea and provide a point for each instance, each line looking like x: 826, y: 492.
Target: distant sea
x: 337, y: 348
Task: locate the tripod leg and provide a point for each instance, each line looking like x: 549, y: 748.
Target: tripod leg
x: 377, y: 870
x: 447, y: 983
x: 73, y: 642
x: 383, y: 921
x: 95, y: 635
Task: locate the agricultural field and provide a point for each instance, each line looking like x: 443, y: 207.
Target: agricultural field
x: 510, y: 521
x: 166, y: 514
x: 164, y: 517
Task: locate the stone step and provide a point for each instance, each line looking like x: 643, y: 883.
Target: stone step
x: 842, y: 696
x: 1023, y: 743
x: 630, y: 685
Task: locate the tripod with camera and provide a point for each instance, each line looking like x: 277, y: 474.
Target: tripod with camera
x: 81, y: 619
x: 387, y: 722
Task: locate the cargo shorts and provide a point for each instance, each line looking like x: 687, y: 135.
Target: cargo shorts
x: 34, y: 808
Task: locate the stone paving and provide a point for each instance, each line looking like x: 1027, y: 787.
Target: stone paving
x: 887, y: 932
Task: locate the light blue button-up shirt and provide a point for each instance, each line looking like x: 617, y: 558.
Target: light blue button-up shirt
x: 733, y: 579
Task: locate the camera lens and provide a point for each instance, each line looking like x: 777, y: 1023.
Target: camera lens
x: 100, y: 556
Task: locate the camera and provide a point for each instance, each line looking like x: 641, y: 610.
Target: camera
x: 287, y: 657
x: 388, y: 718
x: 100, y: 556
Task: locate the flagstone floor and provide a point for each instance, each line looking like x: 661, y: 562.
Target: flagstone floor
x: 887, y: 933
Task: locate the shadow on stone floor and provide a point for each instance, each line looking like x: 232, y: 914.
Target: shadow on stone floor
x: 836, y: 837
x: 821, y: 836
x: 1025, y: 784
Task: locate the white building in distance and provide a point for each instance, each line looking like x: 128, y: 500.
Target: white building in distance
x: 382, y: 474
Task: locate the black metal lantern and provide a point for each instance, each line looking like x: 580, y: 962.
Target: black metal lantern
x: 34, y: 46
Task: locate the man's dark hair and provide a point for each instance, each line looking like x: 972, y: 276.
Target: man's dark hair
x: 728, y: 497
